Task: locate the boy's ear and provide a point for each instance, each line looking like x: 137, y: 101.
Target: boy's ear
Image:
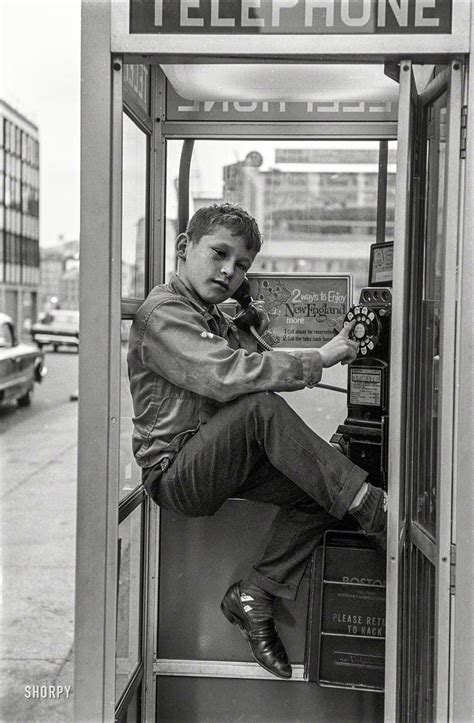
x: 182, y: 243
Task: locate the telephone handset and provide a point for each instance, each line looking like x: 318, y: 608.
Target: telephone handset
x: 248, y: 315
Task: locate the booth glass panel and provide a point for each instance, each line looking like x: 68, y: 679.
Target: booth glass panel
x: 134, y: 207
x: 422, y: 642
x: 426, y: 478
x: 314, y: 201
x: 130, y: 472
x: 128, y: 643
x: 134, y: 708
x: 316, y: 205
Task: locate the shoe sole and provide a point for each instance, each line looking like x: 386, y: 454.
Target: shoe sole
x: 232, y: 618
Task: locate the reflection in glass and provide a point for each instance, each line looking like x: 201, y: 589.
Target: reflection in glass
x: 423, y: 637
x: 136, y: 84
x: 134, y: 206
x: 130, y: 473
x: 315, y: 201
x: 134, y: 708
x: 128, y: 646
x: 427, y: 413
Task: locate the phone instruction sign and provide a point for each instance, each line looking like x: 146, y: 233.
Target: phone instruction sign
x: 305, y: 310
x: 366, y: 386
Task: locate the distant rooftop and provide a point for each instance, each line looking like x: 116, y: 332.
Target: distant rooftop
x: 8, y: 110
x: 66, y: 249
x: 331, y: 155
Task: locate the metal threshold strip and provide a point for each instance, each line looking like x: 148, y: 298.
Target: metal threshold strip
x: 219, y: 669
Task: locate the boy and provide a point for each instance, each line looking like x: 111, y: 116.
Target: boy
x: 209, y: 426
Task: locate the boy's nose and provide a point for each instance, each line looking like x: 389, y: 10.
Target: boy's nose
x: 227, y: 270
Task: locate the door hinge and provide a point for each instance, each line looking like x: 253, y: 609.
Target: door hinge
x: 463, y: 147
x: 452, y: 574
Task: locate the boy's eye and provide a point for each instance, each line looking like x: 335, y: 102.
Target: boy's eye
x: 219, y: 252
x: 243, y: 267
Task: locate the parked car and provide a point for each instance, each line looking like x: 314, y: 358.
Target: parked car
x: 58, y: 327
x: 21, y: 365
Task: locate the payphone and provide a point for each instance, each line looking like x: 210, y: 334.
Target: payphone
x: 363, y: 436
x: 348, y: 650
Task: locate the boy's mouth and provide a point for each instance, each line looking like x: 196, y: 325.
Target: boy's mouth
x: 222, y: 284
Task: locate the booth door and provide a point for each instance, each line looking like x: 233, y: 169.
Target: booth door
x: 420, y: 539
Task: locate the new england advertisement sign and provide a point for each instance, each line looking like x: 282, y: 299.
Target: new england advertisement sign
x: 305, y: 311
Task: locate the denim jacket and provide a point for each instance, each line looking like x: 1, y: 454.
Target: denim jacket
x: 186, y: 360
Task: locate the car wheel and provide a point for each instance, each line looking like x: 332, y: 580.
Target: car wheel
x: 25, y: 400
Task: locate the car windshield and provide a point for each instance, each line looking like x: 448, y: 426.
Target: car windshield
x: 69, y: 318
x: 6, y: 337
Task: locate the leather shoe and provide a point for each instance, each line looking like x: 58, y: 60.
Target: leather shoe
x: 265, y: 644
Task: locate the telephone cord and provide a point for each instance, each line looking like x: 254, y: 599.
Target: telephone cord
x: 260, y: 340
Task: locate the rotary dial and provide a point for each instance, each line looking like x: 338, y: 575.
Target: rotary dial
x: 367, y: 328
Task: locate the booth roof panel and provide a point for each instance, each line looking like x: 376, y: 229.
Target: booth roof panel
x: 302, y: 82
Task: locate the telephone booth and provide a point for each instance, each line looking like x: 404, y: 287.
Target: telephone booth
x: 344, y: 128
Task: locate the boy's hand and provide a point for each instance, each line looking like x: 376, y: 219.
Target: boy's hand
x: 340, y: 349
x: 264, y: 319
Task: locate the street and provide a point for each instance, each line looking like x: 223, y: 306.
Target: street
x: 60, y: 381
x: 38, y: 490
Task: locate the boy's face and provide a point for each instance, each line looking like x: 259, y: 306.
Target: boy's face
x: 215, y: 266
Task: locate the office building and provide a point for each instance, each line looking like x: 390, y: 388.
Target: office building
x: 317, y: 207
x: 19, y: 216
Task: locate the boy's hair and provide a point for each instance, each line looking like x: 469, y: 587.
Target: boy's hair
x: 231, y: 217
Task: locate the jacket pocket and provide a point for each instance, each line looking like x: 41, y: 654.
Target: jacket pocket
x: 180, y: 439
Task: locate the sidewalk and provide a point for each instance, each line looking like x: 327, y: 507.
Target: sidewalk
x: 38, y: 539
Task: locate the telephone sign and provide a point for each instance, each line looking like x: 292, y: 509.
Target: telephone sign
x: 291, y: 17
x: 136, y: 83
x: 178, y: 108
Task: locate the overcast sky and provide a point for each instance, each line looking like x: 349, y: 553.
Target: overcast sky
x: 40, y: 60
x: 40, y: 77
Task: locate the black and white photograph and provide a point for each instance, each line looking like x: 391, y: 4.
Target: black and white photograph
x: 236, y: 361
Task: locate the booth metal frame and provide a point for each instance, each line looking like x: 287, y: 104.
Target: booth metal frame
x: 106, y: 46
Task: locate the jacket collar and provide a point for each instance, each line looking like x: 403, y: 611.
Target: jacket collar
x: 177, y: 286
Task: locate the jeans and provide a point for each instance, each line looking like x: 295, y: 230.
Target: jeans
x: 258, y: 448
